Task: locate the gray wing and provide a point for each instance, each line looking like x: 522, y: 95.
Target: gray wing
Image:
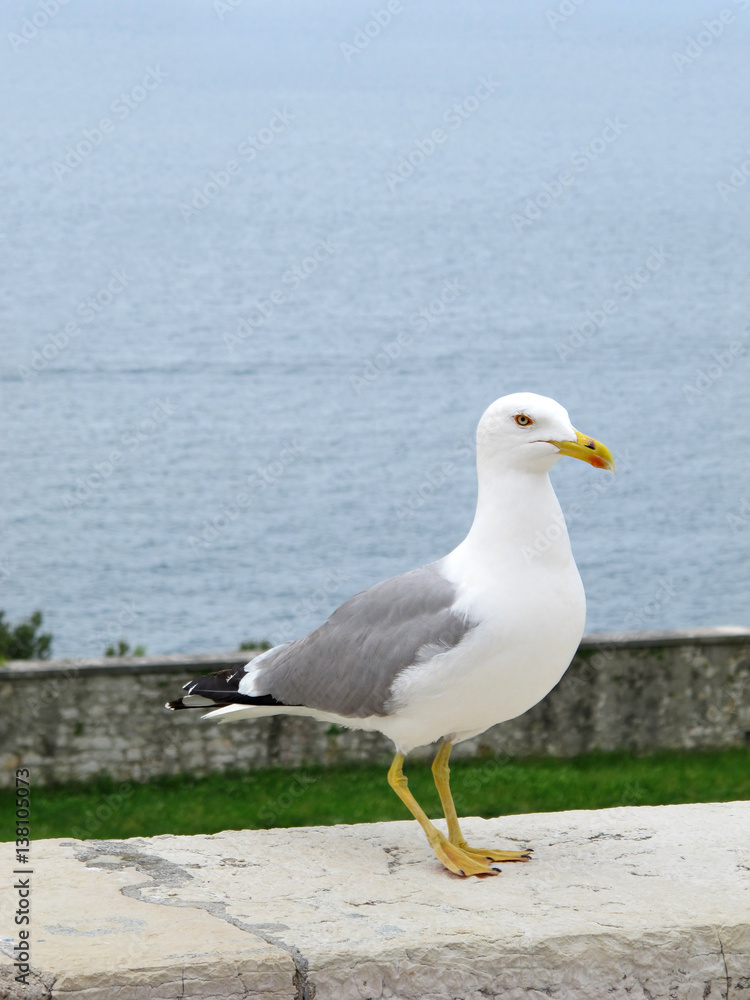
x: 349, y: 664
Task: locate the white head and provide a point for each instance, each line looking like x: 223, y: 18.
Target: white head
x: 530, y: 433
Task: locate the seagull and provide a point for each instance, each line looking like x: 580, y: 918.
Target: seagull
x: 445, y: 651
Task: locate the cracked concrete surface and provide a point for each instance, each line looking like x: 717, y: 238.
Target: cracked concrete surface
x: 623, y: 903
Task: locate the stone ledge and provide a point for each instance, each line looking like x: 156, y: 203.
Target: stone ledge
x: 207, y: 662
x: 717, y: 635
x: 118, y: 665
x: 618, y: 903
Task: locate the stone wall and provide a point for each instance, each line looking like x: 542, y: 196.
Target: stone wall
x: 643, y: 692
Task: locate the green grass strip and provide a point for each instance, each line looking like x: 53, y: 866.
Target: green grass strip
x: 315, y: 796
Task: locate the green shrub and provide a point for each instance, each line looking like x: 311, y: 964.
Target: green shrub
x: 23, y: 641
x: 123, y: 649
x: 261, y: 644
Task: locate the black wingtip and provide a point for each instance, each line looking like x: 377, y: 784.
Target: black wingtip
x: 218, y: 689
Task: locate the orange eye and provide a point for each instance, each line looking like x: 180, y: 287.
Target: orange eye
x: 523, y: 421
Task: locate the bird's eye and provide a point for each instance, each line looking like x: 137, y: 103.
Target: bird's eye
x: 523, y: 421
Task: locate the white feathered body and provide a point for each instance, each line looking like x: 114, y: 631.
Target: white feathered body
x: 528, y: 598
x: 515, y: 576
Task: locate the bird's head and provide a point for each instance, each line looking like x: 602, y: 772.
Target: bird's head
x: 530, y: 433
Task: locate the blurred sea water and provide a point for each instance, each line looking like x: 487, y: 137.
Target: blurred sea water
x: 260, y: 280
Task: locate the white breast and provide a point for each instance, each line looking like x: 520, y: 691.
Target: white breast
x: 530, y: 611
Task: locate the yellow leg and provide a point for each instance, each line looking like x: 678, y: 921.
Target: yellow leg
x: 453, y: 857
x: 441, y: 773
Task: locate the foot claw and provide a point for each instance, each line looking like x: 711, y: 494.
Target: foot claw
x: 459, y: 861
x: 492, y: 855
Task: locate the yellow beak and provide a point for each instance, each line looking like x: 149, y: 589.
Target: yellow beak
x: 588, y: 450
